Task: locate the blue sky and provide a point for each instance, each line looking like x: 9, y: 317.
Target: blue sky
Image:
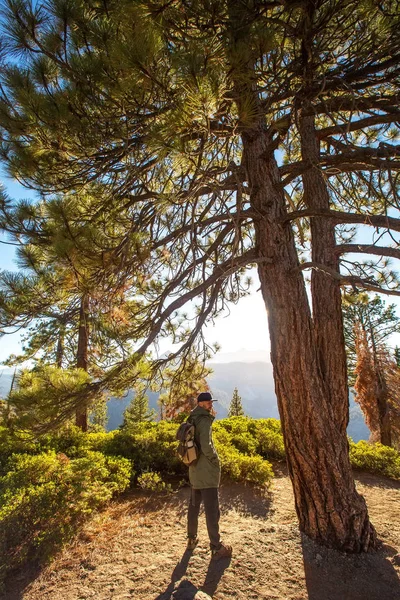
x: 10, y: 344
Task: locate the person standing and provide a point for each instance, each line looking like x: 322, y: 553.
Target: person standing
x: 204, y: 478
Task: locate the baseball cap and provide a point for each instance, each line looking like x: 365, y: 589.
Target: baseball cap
x: 205, y: 397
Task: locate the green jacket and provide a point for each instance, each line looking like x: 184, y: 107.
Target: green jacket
x: 206, y: 473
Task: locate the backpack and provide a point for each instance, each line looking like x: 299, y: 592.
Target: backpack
x: 187, y: 450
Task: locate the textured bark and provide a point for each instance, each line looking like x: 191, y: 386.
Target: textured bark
x: 325, y: 290
x: 60, y: 350
x: 328, y: 506
x: 81, y: 416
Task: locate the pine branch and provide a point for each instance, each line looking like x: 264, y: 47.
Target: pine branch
x: 368, y: 249
x: 358, y: 159
x: 343, y: 217
x: 353, y: 280
x: 359, y: 78
x: 222, y: 270
x: 344, y: 128
x: 223, y: 218
x: 355, y: 104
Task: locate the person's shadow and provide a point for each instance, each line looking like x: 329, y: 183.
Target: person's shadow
x: 177, y: 574
x: 186, y: 590
x: 214, y: 573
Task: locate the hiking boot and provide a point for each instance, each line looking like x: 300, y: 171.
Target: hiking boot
x: 192, y: 543
x: 224, y: 551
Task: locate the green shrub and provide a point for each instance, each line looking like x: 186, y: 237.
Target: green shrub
x: 270, y: 443
x: 256, y: 470
x: 252, y: 436
x: 45, y: 497
x: 69, y: 440
x: 153, y: 482
x: 151, y: 447
x: 245, y: 443
x: 273, y: 425
x: 234, y: 425
x: 14, y: 444
x: 375, y: 458
x: 240, y: 467
x: 230, y: 459
x: 221, y: 436
x: 100, y: 441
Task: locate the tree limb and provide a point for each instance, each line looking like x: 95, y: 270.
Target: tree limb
x: 359, y: 124
x: 367, y: 249
x: 352, y: 103
x: 343, y: 217
x: 352, y: 280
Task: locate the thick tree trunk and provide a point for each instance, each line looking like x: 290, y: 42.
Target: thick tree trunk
x: 325, y: 290
x: 328, y: 506
x: 81, y: 416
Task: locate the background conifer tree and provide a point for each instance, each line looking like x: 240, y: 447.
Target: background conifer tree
x: 138, y: 411
x: 235, y: 407
x: 372, y: 365
x: 69, y: 297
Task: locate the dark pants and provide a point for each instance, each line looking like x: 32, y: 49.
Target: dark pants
x: 209, y: 496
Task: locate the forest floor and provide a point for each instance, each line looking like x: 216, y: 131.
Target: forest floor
x: 136, y: 549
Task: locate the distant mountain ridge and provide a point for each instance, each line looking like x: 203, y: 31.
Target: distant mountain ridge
x: 255, y: 384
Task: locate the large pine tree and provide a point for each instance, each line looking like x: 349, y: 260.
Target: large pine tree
x: 232, y: 134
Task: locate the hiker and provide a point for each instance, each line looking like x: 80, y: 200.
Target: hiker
x: 204, y: 478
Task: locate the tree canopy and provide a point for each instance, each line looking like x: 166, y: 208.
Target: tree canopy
x: 140, y: 97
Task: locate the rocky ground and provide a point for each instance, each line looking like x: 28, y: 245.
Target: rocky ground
x: 136, y: 549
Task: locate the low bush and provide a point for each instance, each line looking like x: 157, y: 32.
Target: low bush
x: 256, y: 470
x: 245, y: 443
x: 240, y: 467
x: 153, y: 482
x: 253, y: 436
x: 74, y: 442
x: 69, y: 440
x: 150, y: 446
x: 45, y: 497
x: 12, y: 444
x: 269, y: 438
x: 375, y: 458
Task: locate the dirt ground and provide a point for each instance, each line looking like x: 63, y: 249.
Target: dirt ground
x: 136, y: 549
